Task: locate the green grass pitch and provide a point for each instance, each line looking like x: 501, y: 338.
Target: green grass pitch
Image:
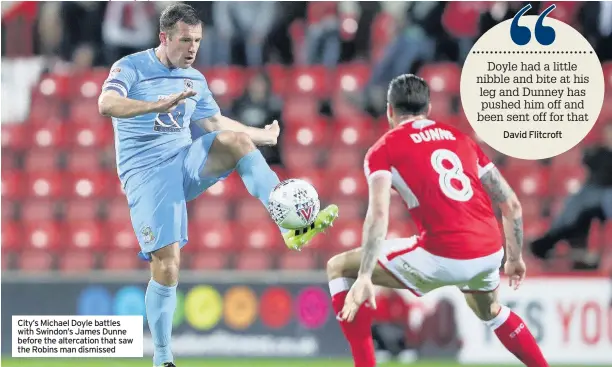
x: 202, y: 362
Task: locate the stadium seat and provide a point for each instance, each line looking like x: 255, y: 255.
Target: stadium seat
x: 52, y: 135
x: 259, y: 235
x: 565, y: 11
x: 309, y: 80
x: 91, y: 184
x: 10, y: 209
x: 345, y: 235
x: 227, y: 82
x: 12, y: 236
x: 14, y: 136
x: 81, y: 160
x: 85, y: 235
x: 76, y: 261
x: 55, y: 86
x: 211, y: 235
x: 92, y: 136
x: 81, y: 209
x: 350, y: 207
x: 532, y: 208
x: 381, y: 34
x: 443, y: 108
x: 34, y: 261
x: 397, y: 208
x: 251, y: 209
x: 348, y: 183
x: 344, y: 109
x: 299, y: 157
x: 86, y: 112
x: 528, y: 181
x: 296, y: 261
x: 566, y: 180
x: 10, y: 160
x: 88, y: 84
x: 37, y: 160
x: 535, y: 228
x: 121, y: 260
x: 344, y: 158
x: 231, y: 187
x: 442, y: 77
x: 401, y: 228
x: 209, y: 208
x: 352, y: 135
x: 117, y: 209
x: 46, y: 184
x: 13, y: 187
x: 44, y: 110
x: 38, y: 210
x: 208, y: 260
x: 307, y: 134
x: 253, y: 261
x: 607, y: 236
x: 121, y: 236
x: 351, y: 77
x: 571, y: 158
x: 313, y: 176
x: 300, y: 110
x: 278, y: 75
x: 43, y: 235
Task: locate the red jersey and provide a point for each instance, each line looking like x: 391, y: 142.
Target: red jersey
x: 436, y: 170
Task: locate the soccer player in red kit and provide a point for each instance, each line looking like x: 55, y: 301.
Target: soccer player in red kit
x: 449, y: 186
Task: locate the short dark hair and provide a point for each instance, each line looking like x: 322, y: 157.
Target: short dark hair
x: 408, y: 94
x: 178, y: 13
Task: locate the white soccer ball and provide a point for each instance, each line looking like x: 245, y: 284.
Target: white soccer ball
x: 294, y: 204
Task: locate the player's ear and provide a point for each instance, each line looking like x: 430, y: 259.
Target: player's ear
x: 163, y: 37
x: 389, y: 111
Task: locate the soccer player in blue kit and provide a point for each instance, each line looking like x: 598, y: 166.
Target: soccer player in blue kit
x: 152, y: 97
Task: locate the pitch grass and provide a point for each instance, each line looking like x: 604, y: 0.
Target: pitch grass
x: 205, y: 362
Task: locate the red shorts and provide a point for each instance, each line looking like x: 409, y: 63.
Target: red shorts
x: 422, y: 272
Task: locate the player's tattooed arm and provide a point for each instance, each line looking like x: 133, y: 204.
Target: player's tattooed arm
x: 377, y: 220
x: 258, y: 136
x: 502, y: 194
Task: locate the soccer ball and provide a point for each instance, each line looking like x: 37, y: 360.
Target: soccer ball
x: 294, y: 204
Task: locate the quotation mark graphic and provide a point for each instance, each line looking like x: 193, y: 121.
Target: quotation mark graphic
x: 521, y: 35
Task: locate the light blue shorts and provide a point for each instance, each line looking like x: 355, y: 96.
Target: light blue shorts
x: 158, y: 197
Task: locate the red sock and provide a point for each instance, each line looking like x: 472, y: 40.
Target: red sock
x: 516, y: 337
x: 359, y: 331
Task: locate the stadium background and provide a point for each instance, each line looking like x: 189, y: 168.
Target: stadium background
x: 322, y: 69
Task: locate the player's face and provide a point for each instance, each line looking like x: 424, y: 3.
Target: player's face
x: 182, y: 44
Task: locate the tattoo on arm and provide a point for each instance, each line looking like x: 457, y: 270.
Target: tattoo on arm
x: 517, y: 230
x: 371, y: 247
x: 495, y: 185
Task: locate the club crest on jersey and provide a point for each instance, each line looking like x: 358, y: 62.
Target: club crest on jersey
x: 188, y: 84
x: 147, y: 235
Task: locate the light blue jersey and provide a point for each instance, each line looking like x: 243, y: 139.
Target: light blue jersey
x: 145, y: 141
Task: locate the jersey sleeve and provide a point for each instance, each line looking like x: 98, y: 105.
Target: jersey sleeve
x: 376, y: 159
x: 483, y: 162
x: 206, y: 105
x: 121, y: 77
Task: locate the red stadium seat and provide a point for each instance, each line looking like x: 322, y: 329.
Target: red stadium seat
x: 216, y: 235
x: 35, y: 261
x: 299, y: 157
x: 351, y: 77
x: 226, y: 82
x: 122, y: 236
x: 253, y: 261
x: 86, y: 111
x: 350, y: 208
x: 300, y: 109
x: 38, y: 210
x: 309, y: 80
x: 10, y: 160
x: 209, y: 208
x: 607, y: 235
x: 353, y: 135
x: 309, y: 134
x: 55, y: 86
x: 121, y: 260
x: 14, y: 136
x: 13, y: 185
x: 607, y: 70
x: 381, y: 33
x: 88, y: 84
x: 208, y: 260
x: 343, y: 158
x: 76, y: 262
x: 344, y: 109
x: 565, y: 11
x: 442, y: 107
x: 571, y: 158
x: 278, y: 75
x: 251, y: 209
x: 82, y: 209
x: 46, y: 184
x: 80, y: 160
x: 43, y: 235
x: 397, y: 209
x: 528, y: 181
x: 91, y: 184
x: 442, y: 77
x: 401, y: 228
x: 566, y: 180
x: 12, y: 236
x: 52, y: 135
x: 9, y: 209
x: 261, y: 235
x: 315, y: 177
x: 345, y: 235
x: 38, y: 160
x: 292, y: 260
x: 231, y: 187
x: 532, y: 208
x: 349, y: 183
x: 535, y: 228
x: 44, y: 111
x: 92, y: 136
x: 85, y: 235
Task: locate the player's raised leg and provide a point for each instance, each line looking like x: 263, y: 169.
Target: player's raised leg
x: 342, y: 271
x: 508, y: 326
x: 235, y: 150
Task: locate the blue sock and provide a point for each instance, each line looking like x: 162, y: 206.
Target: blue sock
x: 258, y: 177
x: 160, y: 302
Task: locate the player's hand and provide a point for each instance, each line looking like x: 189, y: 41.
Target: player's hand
x: 515, y: 270
x: 274, y: 130
x: 361, y: 293
x: 173, y: 100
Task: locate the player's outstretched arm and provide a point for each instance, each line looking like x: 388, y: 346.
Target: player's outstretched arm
x: 112, y: 104
x: 266, y: 136
x: 502, y: 194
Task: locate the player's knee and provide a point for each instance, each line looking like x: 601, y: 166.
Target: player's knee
x: 487, y: 312
x: 239, y: 144
x: 166, y: 271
